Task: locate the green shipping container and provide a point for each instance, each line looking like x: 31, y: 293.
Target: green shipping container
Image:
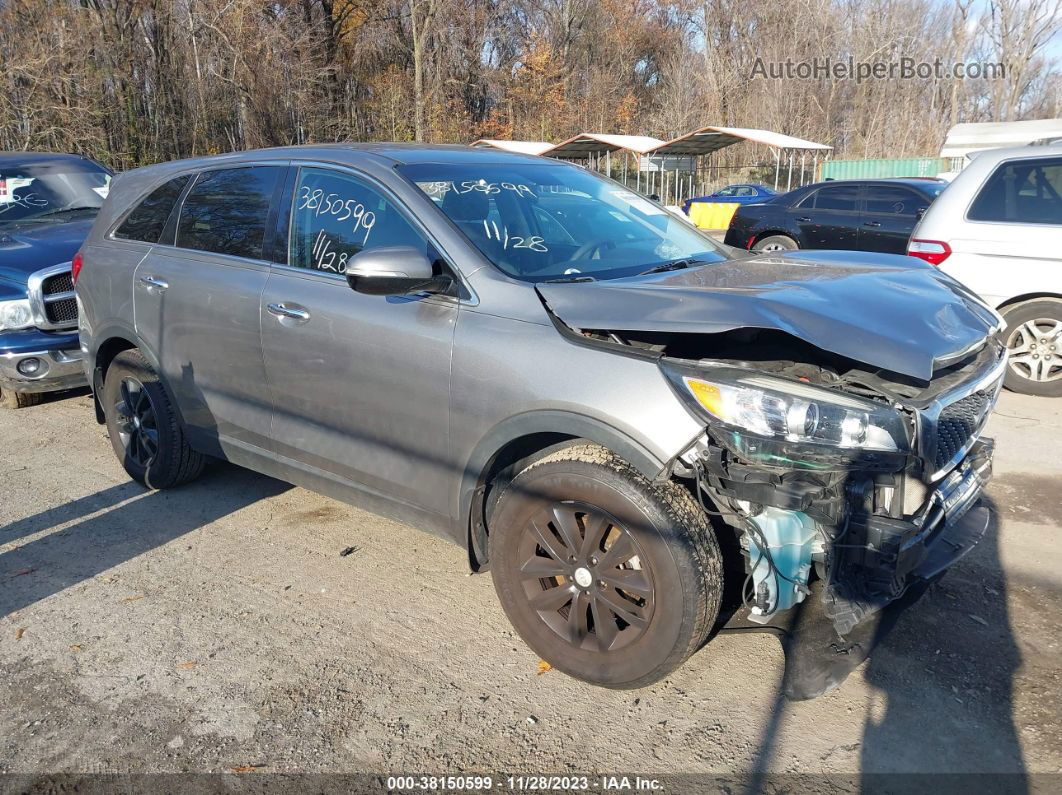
x: 880, y: 169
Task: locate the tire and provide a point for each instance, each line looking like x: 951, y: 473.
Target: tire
x: 19, y: 400
x: 145, y: 433
x: 775, y: 243
x: 1035, y: 366
x: 652, y: 541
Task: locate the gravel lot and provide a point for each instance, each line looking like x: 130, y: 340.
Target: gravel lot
x: 219, y: 628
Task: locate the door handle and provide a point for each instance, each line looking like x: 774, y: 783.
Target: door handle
x: 804, y: 220
x: 872, y: 223
x: 281, y: 311
x: 154, y: 283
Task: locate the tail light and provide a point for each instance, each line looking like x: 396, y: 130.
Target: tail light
x: 75, y: 267
x: 932, y: 251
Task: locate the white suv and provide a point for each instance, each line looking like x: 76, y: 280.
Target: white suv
x: 998, y: 229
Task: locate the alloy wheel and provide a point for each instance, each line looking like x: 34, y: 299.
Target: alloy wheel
x: 585, y: 575
x: 136, y: 422
x: 1035, y: 349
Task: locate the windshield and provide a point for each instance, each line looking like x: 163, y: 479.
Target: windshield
x: 539, y: 222
x: 50, y: 190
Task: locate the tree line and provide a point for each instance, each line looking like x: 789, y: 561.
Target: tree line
x: 138, y: 81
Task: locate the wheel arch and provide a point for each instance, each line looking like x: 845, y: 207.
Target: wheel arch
x: 114, y: 342
x: 1027, y: 297
x: 774, y: 231
x: 513, y: 444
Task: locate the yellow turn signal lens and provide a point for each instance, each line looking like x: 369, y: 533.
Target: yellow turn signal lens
x: 708, y: 395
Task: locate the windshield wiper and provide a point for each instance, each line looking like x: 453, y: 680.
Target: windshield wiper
x: 62, y: 210
x: 569, y: 279
x: 673, y: 265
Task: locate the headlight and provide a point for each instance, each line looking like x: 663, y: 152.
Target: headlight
x: 15, y: 315
x: 792, y: 423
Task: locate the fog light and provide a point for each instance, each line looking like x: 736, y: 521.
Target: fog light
x: 30, y: 366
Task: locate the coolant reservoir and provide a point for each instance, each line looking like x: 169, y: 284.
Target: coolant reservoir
x: 790, y: 536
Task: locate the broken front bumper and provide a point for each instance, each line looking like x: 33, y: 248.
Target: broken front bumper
x: 878, y: 558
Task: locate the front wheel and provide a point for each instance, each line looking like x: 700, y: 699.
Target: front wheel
x: 1034, y: 348
x: 142, y: 423
x: 606, y: 576
x: 776, y: 243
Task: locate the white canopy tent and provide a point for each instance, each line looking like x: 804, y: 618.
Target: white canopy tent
x: 783, y: 147
x: 965, y: 139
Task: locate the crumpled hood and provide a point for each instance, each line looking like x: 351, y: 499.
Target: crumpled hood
x: 889, y: 312
x: 25, y: 248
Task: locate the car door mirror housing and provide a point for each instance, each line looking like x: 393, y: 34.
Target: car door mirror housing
x: 394, y: 270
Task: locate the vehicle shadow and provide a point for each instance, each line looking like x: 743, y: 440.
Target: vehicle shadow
x: 940, y: 663
x: 944, y: 673
x: 113, y: 526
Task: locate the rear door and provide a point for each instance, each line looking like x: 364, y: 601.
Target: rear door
x: 360, y: 383
x: 829, y: 217
x: 197, y: 298
x: 890, y: 214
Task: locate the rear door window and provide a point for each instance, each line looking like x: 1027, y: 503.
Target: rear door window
x: 227, y: 211
x: 838, y: 198
x: 335, y: 215
x: 148, y: 219
x: 894, y: 201
x: 1021, y: 192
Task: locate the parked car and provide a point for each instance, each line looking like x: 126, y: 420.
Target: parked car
x: 997, y: 229
x: 47, y: 205
x: 553, y: 371
x: 861, y: 215
x: 735, y: 194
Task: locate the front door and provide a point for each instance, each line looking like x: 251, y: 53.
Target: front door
x: 360, y: 383
x: 197, y: 307
x: 829, y: 218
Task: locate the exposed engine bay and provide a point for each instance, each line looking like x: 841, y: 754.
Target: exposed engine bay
x: 867, y: 520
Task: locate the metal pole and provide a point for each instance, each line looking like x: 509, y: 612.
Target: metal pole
x: 803, y: 174
x: 789, y: 179
x: 777, y: 166
x: 608, y: 163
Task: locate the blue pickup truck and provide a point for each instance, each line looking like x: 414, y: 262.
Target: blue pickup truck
x: 47, y: 205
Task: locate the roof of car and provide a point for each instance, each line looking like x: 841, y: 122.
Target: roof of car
x: 399, y: 153
x: 29, y: 158
x: 912, y: 182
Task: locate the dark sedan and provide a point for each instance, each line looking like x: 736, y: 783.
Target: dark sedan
x: 862, y: 215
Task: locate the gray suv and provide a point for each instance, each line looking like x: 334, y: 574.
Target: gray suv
x: 615, y: 413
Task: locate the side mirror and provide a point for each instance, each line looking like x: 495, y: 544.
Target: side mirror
x: 393, y: 270
x: 655, y: 197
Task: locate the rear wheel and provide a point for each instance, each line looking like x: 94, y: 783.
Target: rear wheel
x: 606, y: 576
x: 776, y: 243
x: 18, y: 400
x: 1034, y: 345
x: 145, y: 432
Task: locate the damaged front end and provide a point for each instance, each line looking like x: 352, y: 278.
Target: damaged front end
x: 868, y: 482
x: 843, y: 396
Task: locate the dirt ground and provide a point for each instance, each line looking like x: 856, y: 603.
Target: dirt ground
x: 220, y: 628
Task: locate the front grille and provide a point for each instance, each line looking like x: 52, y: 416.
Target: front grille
x: 59, y: 283
x: 62, y: 312
x: 958, y: 423
x: 51, y: 294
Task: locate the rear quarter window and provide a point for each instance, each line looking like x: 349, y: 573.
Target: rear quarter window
x: 1021, y: 192
x: 148, y: 219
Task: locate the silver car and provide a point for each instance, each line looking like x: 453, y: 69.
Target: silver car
x: 615, y: 413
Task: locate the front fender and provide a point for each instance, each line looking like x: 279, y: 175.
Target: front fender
x: 531, y: 423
